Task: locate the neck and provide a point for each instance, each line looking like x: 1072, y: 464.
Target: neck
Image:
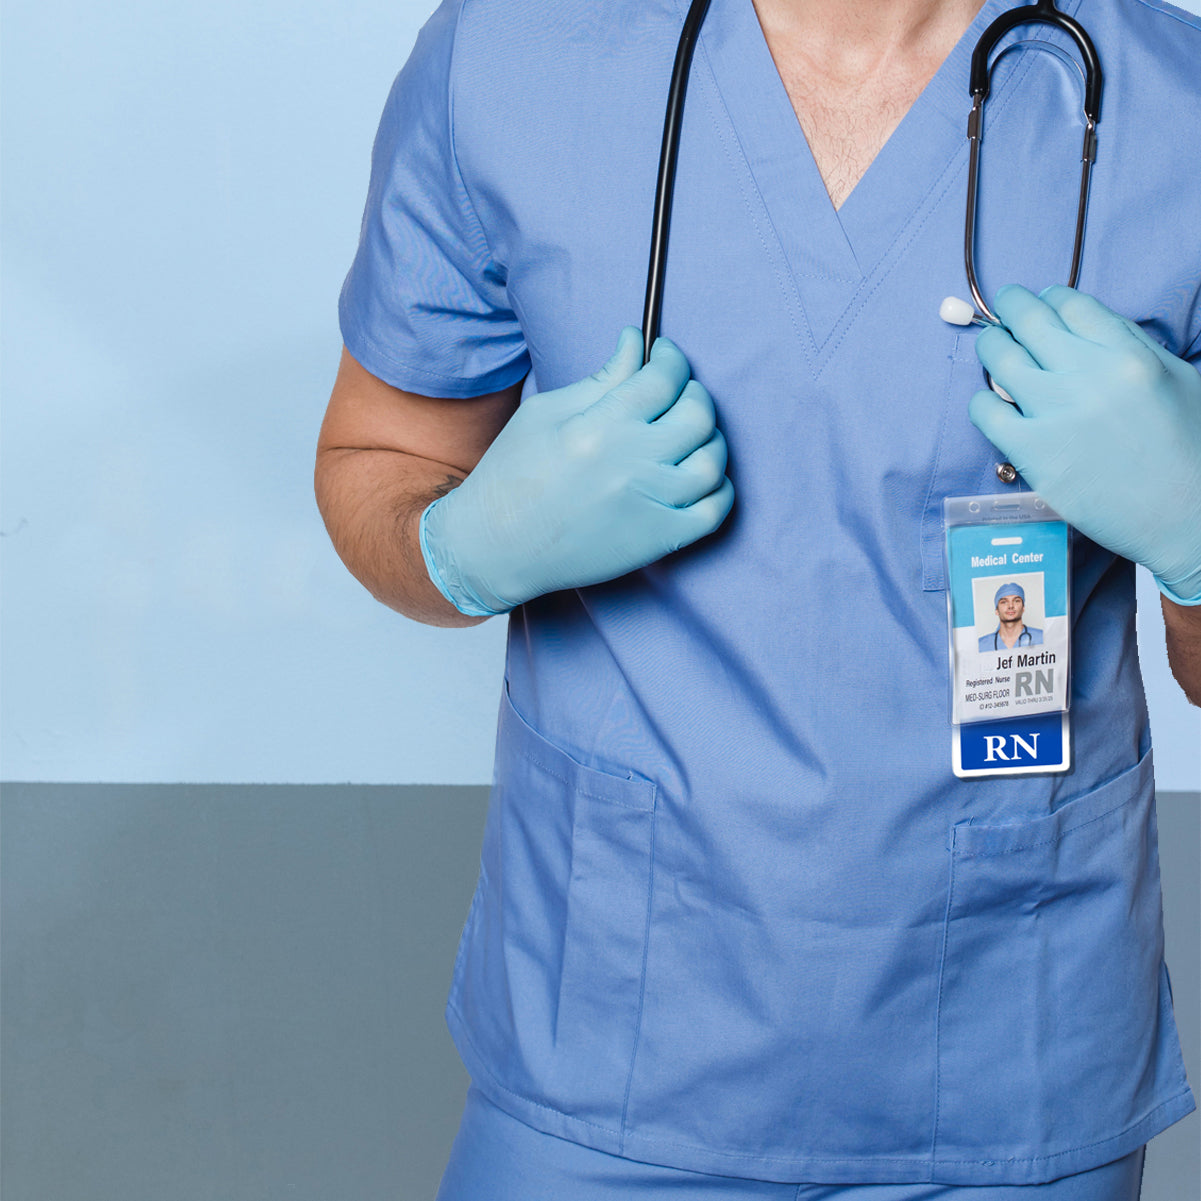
x: 848, y: 37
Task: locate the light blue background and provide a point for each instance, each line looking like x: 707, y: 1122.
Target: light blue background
x: 182, y: 193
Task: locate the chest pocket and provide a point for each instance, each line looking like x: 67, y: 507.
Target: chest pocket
x: 965, y: 462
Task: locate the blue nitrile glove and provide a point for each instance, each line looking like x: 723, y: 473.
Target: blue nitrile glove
x: 1109, y: 427
x: 583, y: 484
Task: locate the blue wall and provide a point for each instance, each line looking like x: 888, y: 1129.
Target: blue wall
x: 183, y: 186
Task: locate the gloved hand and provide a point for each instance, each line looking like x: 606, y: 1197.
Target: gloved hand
x: 1107, y: 427
x: 584, y: 484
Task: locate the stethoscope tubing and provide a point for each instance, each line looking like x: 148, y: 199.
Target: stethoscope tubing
x: 1042, y: 12
x: 1024, y: 634
x: 979, y: 85
x: 664, y: 189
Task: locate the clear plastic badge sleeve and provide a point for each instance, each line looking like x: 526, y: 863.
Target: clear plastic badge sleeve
x: 1008, y: 607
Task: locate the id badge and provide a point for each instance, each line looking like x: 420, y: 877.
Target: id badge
x: 1009, y: 623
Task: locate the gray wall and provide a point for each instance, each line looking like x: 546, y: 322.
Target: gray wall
x: 235, y: 993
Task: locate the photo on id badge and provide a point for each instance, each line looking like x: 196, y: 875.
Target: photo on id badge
x: 1020, y: 652
x: 1011, y: 616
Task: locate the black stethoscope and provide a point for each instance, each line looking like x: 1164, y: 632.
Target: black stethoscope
x: 958, y: 312
x: 1024, y: 634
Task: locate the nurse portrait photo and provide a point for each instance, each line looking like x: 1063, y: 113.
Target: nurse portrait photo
x: 643, y: 355
x: 1011, y: 628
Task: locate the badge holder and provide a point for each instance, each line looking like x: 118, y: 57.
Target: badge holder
x: 1009, y: 635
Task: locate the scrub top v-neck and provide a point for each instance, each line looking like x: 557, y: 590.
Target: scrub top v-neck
x: 735, y: 914
x: 833, y: 255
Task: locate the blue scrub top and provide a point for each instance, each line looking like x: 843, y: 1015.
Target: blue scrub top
x: 1030, y: 636
x: 735, y: 914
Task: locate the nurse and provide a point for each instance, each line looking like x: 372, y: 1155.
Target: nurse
x: 739, y: 930
x: 1011, y: 631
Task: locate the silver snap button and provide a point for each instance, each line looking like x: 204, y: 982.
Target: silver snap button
x: 1006, y: 473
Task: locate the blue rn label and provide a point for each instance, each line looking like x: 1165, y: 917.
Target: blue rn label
x: 1015, y: 742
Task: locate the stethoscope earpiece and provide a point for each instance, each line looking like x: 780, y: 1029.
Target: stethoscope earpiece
x: 958, y: 312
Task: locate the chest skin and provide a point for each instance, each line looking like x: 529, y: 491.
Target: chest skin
x: 849, y: 102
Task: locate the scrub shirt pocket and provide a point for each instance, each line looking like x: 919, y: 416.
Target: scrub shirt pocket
x: 1055, y: 1031
x: 965, y: 461
x: 545, y: 1001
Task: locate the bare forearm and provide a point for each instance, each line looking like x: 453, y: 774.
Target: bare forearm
x: 372, y: 501
x: 1183, y: 624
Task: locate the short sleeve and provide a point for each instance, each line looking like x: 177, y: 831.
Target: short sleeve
x: 424, y: 306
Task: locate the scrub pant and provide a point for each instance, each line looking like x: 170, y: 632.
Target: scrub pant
x: 497, y: 1158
